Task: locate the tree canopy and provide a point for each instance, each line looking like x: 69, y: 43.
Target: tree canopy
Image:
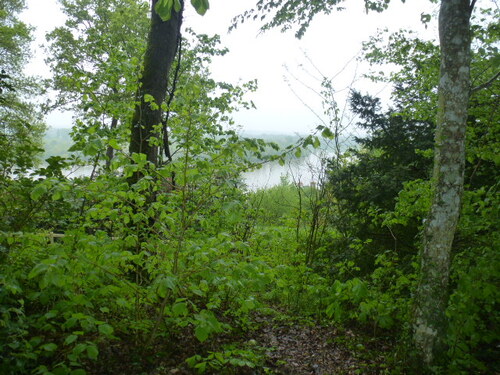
x: 21, y: 125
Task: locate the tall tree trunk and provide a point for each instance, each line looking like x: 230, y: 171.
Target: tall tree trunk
x: 160, y: 53
x: 454, y: 87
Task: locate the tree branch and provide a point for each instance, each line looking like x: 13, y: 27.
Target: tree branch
x: 486, y: 84
x: 472, y: 4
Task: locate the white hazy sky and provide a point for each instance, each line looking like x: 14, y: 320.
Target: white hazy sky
x: 330, y: 43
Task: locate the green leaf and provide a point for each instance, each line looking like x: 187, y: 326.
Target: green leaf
x: 164, y: 9
x: 308, y: 141
x: 51, y: 314
x: 425, y: 18
x: 113, y: 143
x: 168, y: 282
x: 201, y: 332
x: 327, y: 133
x: 38, y: 191
x: 139, y: 158
x: 79, y: 349
x: 93, y: 147
x: 359, y: 289
x: 334, y: 311
x: 247, y: 305
x: 148, y: 98
x: 201, y: 367
x: 92, y: 352
x: 180, y: 309
x: 38, y: 269
x: 298, y: 153
x: 70, y: 339
x: 177, y: 5
x: 78, y: 372
x: 106, y: 329
x: 49, y: 347
x: 385, y: 321
x: 201, y: 6
x: 57, y: 195
x: 59, y: 369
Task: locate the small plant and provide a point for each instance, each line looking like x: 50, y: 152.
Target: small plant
x: 229, y: 361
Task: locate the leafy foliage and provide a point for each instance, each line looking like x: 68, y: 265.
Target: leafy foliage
x: 21, y: 125
x: 285, y: 14
x: 95, y: 59
x: 394, y: 152
x: 178, y: 268
x: 164, y: 8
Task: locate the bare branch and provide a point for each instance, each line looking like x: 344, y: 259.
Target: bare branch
x: 486, y: 84
x: 472, y: 4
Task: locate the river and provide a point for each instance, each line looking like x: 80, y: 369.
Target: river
x: 303, y: 171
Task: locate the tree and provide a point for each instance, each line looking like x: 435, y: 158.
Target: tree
x: 416, y: 83
x: 454, y: 90
x: 163, y: 41
x: 448, y: 179
x: 366, y: 183
x: 21, y: 123
x: 95, y: 59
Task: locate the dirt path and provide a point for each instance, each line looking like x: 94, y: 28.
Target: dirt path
x: 304, y: 350
x: 286, y: 348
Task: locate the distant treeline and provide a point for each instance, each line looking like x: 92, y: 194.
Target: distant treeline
x: 57, y: 141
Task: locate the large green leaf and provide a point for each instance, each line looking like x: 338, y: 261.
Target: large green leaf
x: 164, y: 9
x: 201, y: 6
x: 106, y: 329
x: 202, y: 332
x: 92, y: 351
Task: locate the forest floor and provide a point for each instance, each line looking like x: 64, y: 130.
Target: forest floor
x: 284, y: 346
x: 297, y: 348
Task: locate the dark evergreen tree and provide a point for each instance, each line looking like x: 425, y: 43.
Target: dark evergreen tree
x: 368, y: 182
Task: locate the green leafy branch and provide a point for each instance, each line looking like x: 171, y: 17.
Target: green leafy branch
x: 164, y: 7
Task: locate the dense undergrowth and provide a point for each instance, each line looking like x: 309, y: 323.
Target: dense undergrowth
x: 182, y: 269
x: 138, y: 280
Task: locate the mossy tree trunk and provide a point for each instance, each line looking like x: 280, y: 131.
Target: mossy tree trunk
x: 454, y: 88
x: 161, y: 49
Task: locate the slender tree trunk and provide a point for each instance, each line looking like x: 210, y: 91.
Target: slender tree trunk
x: 454, y: 87
x: 110, y: 151
x: 160, y: 53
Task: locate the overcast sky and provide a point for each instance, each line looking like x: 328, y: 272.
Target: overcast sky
x: 331, y: 43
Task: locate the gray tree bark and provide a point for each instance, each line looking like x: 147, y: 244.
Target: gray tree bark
x: 431, y: 297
